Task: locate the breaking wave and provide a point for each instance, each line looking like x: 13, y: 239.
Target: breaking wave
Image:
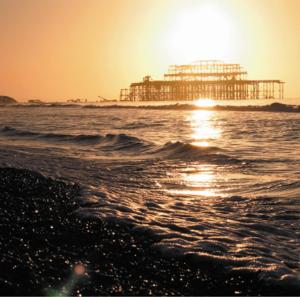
x: 188, y: 151
x: 113, y: 139
x: 127, y: 144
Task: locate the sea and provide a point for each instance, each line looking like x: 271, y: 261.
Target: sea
x: 217, y: 185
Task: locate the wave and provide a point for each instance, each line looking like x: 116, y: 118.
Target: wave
x: 108, y: 142
x: 138, y: 125
x: 124, y: 142
x: 10, y: 131
x: 238, y: 247
x: 187, y: 151
x: 113, y: 139
x: 127, y: 144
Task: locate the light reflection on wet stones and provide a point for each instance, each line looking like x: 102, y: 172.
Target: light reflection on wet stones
x: 46, y: 248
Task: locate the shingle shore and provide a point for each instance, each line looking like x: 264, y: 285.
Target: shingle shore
x: 47, y: 249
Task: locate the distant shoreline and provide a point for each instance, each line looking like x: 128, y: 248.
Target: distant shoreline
x: 273, y: 107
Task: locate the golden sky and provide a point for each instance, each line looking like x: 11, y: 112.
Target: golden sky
x: 63, y: 49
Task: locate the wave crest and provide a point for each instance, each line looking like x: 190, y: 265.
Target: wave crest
x: 188, y: 151
x: 108, y: 142
x: 127, y: 144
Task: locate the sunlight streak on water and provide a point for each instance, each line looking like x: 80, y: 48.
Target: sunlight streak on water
x: 200, y: 179
x: 202, y: 129
x: 191, y: 192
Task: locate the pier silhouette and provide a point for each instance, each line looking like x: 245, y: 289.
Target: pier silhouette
x: 203, y: 79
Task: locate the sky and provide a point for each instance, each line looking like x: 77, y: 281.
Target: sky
x: 57, y: 50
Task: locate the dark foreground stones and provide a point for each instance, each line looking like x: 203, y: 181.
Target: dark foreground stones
x: 46, y: 249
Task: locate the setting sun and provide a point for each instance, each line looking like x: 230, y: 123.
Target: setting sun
x: 204, y: 31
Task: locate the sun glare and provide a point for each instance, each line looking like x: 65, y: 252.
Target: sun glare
x: 204, y: 32
x: 203, y: 130
x: 205, y: 103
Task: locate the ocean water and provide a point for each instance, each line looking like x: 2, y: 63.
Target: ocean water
x: 215, y: 186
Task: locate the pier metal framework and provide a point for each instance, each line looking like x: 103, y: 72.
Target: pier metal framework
x: 203, y: 79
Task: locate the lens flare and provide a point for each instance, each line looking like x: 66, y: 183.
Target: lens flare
x: 79, y: 269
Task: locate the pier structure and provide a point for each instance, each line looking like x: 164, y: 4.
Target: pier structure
x: 211, y: 79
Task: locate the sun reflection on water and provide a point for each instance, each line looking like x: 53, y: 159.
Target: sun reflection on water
x: 199, y: 178
x: 203, y: 129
